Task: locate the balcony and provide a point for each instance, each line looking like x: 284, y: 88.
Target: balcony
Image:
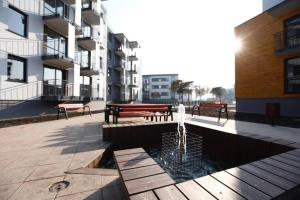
x: 133, y: 71
x: 133, y: 58
x: 57, y: 16
x: 90, y: 71
x: 134, y: 44
x: 119, y: 52
x: 133, y: 85
x: 120, y: 37
x: 120, y: 66
x: 55, y: 54
x: 89, y: 39
x: 287, y: 43
x: 90, y: 13
x: 58, y: 90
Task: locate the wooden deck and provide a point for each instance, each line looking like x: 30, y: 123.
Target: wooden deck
x: 276, y: 177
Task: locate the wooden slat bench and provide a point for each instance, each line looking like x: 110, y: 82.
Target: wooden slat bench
x: 276, y: 177
x: 211, y: 107
x: 140, y: 173
x: 65, y: 107
x: 138, y: 110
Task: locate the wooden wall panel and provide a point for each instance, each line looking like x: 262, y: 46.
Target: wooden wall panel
x: 259, y: 72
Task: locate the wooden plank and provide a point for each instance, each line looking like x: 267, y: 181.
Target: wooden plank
x: 128, y: 151
x: 282, y: 165
x: 148, y: 183
x: 256, y: 182
x: 217, y: 189
x: 169, y: 193
x: 194, y: 191
x: 294, y: 152
x: 272, y: 178
x: 141, y: 172
x: 287, y: 161
x: 283, y: 142
x: 290, y: 156
x: 239, y: 186
x: 136, y: 163
x: 128, y: 157
x: 277, y: 171
x: 144, y: 196
x: 295, y: 145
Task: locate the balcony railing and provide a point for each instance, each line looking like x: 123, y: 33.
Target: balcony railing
x: 59, y: 8
x: 55, y: 47
x: 287, y: 41
x: 88, y: 91
x: 56, y: 87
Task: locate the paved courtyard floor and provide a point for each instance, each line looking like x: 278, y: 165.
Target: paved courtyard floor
x: 34, y: 156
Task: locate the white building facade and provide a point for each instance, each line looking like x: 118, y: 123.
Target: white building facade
x: 53, y: 50
x: 158, y: 87
x: 124, y: 69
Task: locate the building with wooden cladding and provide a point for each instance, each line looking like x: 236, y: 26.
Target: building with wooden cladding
x: 267, y: 68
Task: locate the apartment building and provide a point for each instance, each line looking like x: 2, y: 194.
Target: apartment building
x: 53, y: 50
x: 123, y: 68
x: 158, y: 87
x: 268, y: 65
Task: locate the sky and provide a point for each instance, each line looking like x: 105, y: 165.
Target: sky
x: 194, y: 38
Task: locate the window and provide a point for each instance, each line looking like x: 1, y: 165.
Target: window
x: 164, y: 94
x: 85, y: 80
x: 55, y: 44
x: 164, y: 79
x: 17, y: 21
x: 109, y: 55
x: 53, y: 76
x: 84, y: 57
x: 292, y: 79
x: 101, y: 62
x: 292, y: 32
x: 155, y: 86
x: 109, y: 90
x: 16, y: 68
x: 86, y: 29
x: 155, y: 79
x: 165, y: 86
x: 108, y: 72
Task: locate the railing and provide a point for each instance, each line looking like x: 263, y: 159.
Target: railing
x: 57, y: 88
x: 89, y: 4
x: 89, y: 91
x: 287, y: 40
x: 58, y: 7
x: 26, y: 91
x: 55, y: 47
x: 21, y: 47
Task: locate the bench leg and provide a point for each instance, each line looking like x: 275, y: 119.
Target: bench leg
x: 220, y: 111
x: 89, y: 110
x: 226, y: 113
x: 58, y: 113
x: 66, y: 114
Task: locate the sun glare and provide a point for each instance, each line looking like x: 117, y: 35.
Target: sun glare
x: 238, y: 44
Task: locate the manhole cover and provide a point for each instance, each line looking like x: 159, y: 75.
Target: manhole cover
x: 61, y: 185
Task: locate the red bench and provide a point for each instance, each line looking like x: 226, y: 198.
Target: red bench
x: 138, y: 110
x: 65, y: 107
x: 214, y: 107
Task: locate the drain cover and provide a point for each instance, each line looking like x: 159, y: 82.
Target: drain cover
x: 61, y: 185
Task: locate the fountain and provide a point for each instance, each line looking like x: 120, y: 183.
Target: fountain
x: 181, y: 152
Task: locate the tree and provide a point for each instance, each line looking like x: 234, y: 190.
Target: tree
x: 218, y: 92
x: 155, y: 95
x: 175, y: 86
x: 200, y: 91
